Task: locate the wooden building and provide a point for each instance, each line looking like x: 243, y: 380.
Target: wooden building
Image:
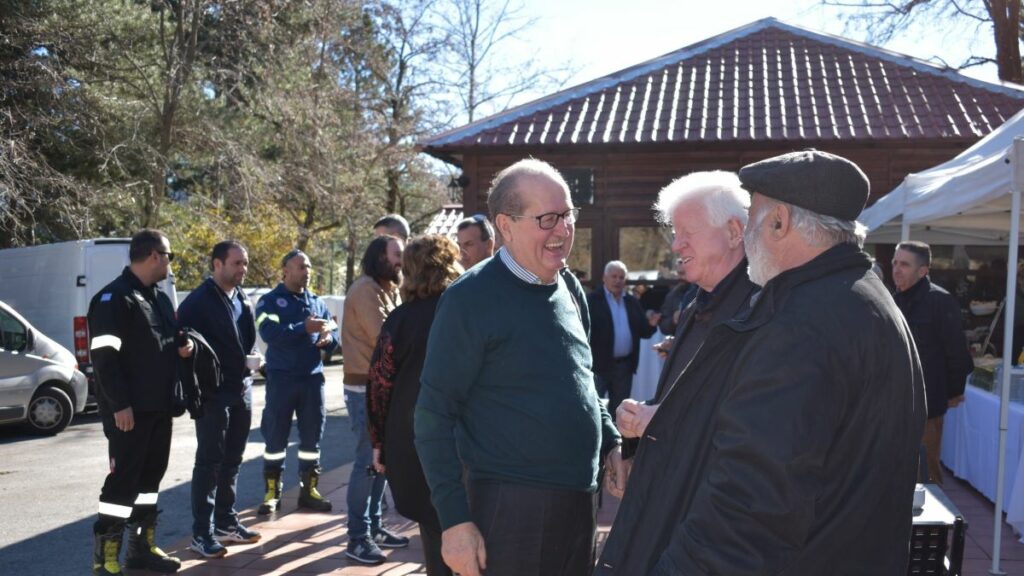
x: 754, y: 92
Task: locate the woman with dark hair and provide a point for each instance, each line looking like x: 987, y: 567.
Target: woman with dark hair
x: 429, y: 265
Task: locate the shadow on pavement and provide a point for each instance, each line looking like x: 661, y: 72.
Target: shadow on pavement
x: 68, y: 549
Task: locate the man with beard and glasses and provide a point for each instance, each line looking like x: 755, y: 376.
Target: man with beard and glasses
x: 296, y: 326
x: 367, y: 304
x: 803, y: 416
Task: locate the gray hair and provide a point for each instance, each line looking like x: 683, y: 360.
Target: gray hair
x: 720, y: 192
x: 823, y: 231
x: 504, y: 198
x: 616, y: 265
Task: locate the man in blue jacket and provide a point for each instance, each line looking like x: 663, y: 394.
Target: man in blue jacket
x: 220, y: 311
x: 296, y: 326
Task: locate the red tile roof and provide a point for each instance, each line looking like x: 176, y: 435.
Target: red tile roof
x: 446, y: 221
x: 765, y: 81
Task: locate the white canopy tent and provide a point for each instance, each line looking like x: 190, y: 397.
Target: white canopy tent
x: 963, y: 201
x: 972, y: 199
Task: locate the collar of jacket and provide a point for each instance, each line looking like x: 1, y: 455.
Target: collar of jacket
x: 284, y: 291
x: 136, y: 283
x: 706, y: 302
x: 840, y: 257
x: 215, y: 289
x: 922, y: 286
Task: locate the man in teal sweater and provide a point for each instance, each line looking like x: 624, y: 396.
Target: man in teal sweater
x: 508, y: 392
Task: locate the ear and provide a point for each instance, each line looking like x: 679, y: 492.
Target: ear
x: 780, y: 221
x: 504, y: 225
x: 922, y: 272
x: 735, y: 229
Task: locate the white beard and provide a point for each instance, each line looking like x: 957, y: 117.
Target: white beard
x: 760, y: 268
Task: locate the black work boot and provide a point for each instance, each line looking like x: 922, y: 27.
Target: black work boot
x: 143, y: 553
x: 309, y: 496
x: 106, y: 550
x: 272, y: 496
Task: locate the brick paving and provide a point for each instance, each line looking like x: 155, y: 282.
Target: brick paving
x: 314, y: 543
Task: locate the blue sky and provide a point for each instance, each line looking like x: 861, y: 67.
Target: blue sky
x: 602, y: 36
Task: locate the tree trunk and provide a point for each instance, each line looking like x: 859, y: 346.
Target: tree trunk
x: 1005, y: 16
x: 393, y: 194
x: 350, y: 257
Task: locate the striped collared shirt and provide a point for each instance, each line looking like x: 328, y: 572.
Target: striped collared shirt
x: 520, y: 272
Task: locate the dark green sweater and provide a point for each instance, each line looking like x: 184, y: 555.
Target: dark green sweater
x: 507, y: 385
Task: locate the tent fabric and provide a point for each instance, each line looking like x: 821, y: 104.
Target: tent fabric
x: 978, y: 191
x: 965, y: 197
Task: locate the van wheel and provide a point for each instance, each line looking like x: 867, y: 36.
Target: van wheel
x: 50, y: 410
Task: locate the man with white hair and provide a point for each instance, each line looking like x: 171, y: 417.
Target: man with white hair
x: 789, y: 444
x: 617, y: 323
x: 707, y: 211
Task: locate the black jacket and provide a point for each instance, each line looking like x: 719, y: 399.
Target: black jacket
x: 391, y: 401
x: 677, y: 299
x: 207, y: 310
x: 934, y: 319
x: 789, y: 444
x: 730, y: 298
x: 602, y: 335
x: 132, y: 340
x: 200, y: 375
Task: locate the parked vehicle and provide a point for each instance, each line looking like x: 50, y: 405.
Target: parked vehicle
x: 51, y: 285
x: 39, y: 383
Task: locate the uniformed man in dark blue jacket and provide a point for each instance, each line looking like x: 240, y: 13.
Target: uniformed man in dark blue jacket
x: 135, y: 353
x: 297, y: 328
x: 221, y: 312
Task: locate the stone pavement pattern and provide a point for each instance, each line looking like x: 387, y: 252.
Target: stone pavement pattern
x: 314, y: 543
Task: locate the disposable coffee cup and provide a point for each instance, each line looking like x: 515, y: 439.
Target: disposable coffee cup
x: 919, y: 497
x: 252, y: 361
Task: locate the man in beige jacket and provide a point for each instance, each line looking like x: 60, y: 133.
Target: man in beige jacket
x: 368, y: 302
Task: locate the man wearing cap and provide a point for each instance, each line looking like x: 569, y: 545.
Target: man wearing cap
x: 296, y: 326
x: 789, y: 444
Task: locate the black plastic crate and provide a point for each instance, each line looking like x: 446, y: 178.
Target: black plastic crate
x: 937, y: 538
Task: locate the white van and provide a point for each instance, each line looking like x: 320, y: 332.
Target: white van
x: 51, y: 285
x: 39, y: 384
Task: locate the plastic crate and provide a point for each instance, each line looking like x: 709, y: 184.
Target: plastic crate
x: 937, y: 537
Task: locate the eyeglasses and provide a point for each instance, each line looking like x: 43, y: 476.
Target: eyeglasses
x: 170, y: 255
x: 550, y: 220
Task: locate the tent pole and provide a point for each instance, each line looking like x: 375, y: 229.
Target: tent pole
x: 1017, y: 181
x: 904, y: 223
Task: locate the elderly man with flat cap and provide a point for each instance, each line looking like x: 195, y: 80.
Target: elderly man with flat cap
x: 789, y: 444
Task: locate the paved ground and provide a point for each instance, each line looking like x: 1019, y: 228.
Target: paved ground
x: 304, y: 543
x: 49, y: 487
x: 310, y: 543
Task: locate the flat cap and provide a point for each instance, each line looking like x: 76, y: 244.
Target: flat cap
x: 818, y: 181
